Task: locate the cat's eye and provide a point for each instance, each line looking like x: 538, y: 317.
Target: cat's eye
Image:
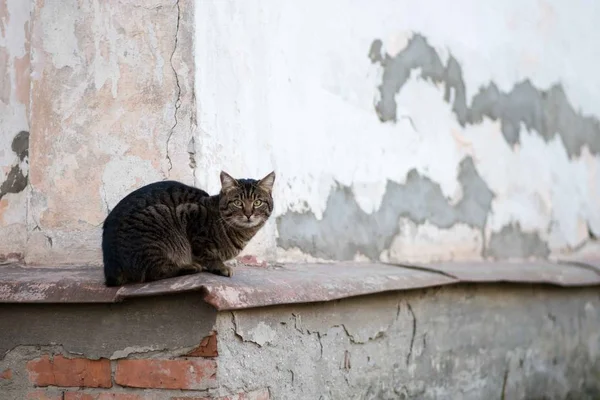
x: 237, y: 203
x: 257, y: 203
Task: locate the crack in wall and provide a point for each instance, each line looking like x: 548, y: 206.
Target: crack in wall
x: 548, y: 112
x: 192, y: 156
x: 193, y: 126
x: 346, y: 229
x: 178, y: 99
x: 235, y: 327
x: 414, y: 333
x: 104, y: 199
x: 504, y: 381
x: 320, y: 345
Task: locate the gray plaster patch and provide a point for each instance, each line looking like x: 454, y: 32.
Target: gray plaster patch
x: 511, y: 241
x: 346, y: 229
x: 16, y: 181
x: 547, y: 112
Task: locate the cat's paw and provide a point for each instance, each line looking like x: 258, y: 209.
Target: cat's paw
x: 218, y: 268
x: 226, y: 270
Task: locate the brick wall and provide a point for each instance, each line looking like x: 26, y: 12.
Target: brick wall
x: 54, y: 376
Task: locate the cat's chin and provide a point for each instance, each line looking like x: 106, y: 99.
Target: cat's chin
x: 245, y: 224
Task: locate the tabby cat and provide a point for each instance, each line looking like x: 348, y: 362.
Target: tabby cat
x: 167, y: 229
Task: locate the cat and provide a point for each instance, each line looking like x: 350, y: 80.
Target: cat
x: 167, y: 229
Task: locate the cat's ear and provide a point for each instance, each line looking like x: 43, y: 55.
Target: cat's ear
x: 227, y: 182
x: 266, y: 183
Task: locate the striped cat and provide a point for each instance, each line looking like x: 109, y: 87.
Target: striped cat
x: 167, y: 229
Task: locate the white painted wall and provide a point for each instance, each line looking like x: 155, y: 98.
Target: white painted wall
x: 288, y: 86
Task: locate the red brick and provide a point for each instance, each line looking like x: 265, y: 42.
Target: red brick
x: 101, y: 396
x: 70, y: 372
x: 207, y: 347
x: 6, y: 374
x: 262, y: 394
x: 42, y: 395
x: 195, y: 374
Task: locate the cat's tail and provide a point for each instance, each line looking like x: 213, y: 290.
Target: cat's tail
x: 114, y: 281
x: 113, y: 273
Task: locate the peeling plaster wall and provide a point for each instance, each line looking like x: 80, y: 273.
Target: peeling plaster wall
x: 111, y: 110
x: 450, y: 343
x: 397, y: 133
x: 402, y: 134
x: 14, y: 126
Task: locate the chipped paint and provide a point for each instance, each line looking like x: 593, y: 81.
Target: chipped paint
x: 530, y: 129
x: 547, y: 112
x: 16, y: 179
x: 116, y: 97
x: 345, y: 229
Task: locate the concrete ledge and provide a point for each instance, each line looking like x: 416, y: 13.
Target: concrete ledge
x: 285, y: 284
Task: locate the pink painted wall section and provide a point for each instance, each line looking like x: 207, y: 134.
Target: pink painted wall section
x: 111, y: 104
x: 14, y: 126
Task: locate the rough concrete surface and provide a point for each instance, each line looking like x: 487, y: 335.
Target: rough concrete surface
x: 460, y: 342
x: 467, y: 342
x: 512, y: 242
x: 109, y: 330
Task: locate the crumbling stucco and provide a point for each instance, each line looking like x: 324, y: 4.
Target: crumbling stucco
x: 460, y: 342
x: 111, y: 110
x: 547, y: 112
x: 346, y: 230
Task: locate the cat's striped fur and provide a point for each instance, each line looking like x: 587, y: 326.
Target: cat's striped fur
x: 167, y: 229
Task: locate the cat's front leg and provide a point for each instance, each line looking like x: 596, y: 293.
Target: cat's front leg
x: 217, y: 267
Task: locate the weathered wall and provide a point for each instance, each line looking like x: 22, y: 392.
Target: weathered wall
x: 396, y: 133
x: 405, y: 134
x: 14, y: 126
x: 473, y: 342
x: 459, y: 342
x: 111, y: 110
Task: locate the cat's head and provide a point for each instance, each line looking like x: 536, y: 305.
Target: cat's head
x: 246, y: 203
